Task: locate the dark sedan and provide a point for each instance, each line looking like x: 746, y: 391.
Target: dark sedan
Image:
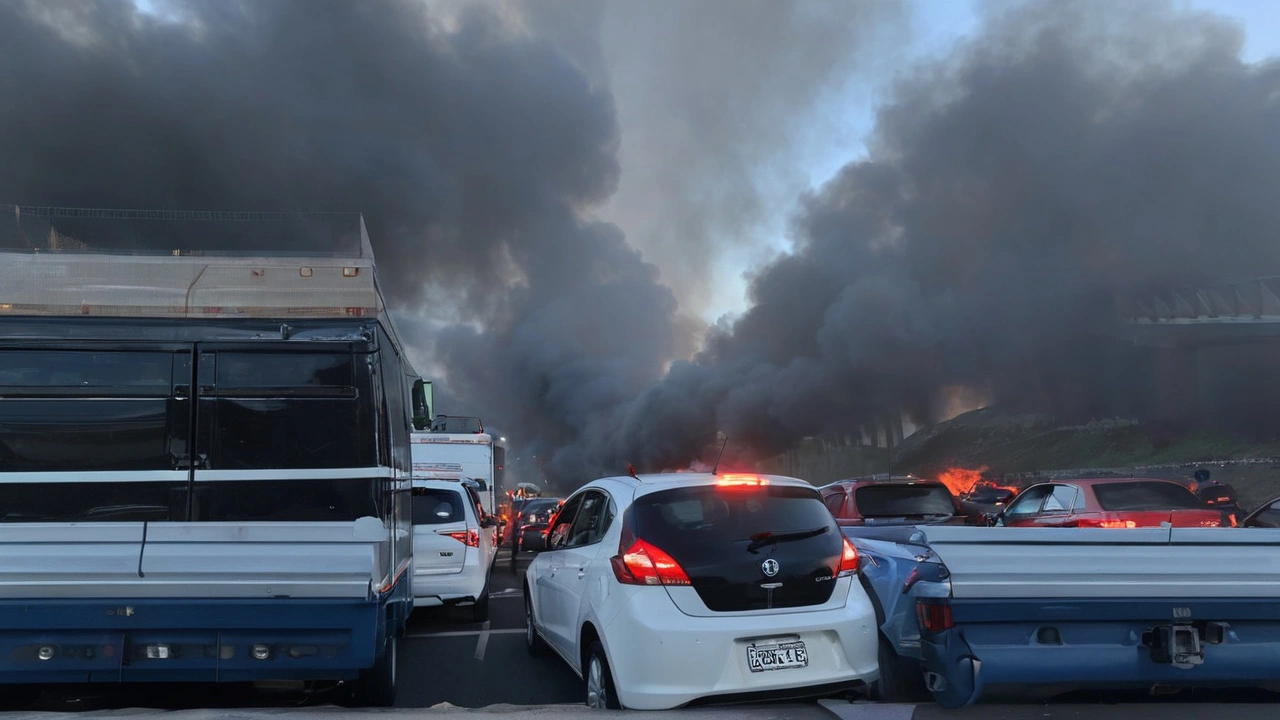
x: 531, y: 521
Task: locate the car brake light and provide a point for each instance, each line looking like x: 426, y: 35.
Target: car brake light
x: 934, y: 615
x: 848, y: 560
x: 470, y: 538
x: 735, y: 480
x: 645, y: 564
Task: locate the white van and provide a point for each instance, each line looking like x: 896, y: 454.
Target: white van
x: 453, y: 547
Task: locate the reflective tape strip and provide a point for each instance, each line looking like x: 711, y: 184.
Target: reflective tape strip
x: 95, y: 476
x: 180, y: 476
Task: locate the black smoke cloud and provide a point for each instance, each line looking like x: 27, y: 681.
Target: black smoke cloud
x: 1070, y: 150
x: 468, y: 146
x: 474, y: 149
x: 1067, y: 153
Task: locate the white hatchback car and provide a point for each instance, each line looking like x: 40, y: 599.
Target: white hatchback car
x: 453, y: 547
x: 660, y: 590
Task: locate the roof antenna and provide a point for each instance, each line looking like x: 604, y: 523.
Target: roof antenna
x: 716, y: 467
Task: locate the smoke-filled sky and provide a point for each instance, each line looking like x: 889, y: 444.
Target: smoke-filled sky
x: 889, y: 198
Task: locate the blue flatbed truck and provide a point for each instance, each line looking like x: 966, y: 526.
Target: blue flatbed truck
x: 204, y: 452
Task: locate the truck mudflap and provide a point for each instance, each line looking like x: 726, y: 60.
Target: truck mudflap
x: 150, y: 640
x: 951, y: 672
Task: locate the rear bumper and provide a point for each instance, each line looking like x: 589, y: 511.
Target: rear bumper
x: 203, y: 640
x: 1106, y: 650
x: 662, y: 658
x: 464, y: 586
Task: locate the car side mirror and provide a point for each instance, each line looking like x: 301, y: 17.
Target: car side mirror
x: 488, y: 522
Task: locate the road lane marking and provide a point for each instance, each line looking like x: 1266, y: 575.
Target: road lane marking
x: 465, y: 633
x: 483, y: 642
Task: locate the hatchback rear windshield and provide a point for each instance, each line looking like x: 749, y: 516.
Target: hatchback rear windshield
x: 1146, y: 496
x: 710, y: 513
x: 903, y: 500
x: 437, y: 507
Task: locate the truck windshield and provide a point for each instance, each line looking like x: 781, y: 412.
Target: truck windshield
x: 903, y: 500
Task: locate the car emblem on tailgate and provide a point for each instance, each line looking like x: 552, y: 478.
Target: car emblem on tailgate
x: 769, y: 567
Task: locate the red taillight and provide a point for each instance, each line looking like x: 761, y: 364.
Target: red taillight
x: 1117, y: 524
x: 848, y: 560
x: 470, y: 538
x: 934, y: 615
x: 645, y: 564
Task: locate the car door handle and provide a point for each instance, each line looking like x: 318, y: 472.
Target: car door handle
x: 582, y: 572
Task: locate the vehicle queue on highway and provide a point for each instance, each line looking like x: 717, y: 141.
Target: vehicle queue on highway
x: 212, y: 478
x: 664, y: 590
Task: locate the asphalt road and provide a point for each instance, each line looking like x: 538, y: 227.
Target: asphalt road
x: 447, y: 661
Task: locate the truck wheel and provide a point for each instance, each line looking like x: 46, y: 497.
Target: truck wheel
x: 377, y: 685
x: 896, y: 683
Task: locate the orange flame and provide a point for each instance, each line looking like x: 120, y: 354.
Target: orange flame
x: 961, y: 480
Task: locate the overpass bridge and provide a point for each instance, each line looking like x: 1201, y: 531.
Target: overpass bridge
x: 1232, y: 313
x: 1208, y: 350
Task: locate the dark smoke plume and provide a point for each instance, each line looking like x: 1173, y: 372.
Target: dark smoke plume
x: 473, y: 148
x: 1068, y: 152
x: 468, y: 146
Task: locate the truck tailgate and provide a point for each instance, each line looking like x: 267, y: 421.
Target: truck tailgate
x: 192, y: 560
x: 1012, y: 563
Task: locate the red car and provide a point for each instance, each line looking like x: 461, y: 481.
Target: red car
x: 1110, y: 503
x: 899, y: 500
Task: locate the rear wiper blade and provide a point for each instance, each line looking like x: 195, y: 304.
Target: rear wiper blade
x: 762, y: 539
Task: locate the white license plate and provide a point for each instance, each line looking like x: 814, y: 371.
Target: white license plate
x: 776, y: 657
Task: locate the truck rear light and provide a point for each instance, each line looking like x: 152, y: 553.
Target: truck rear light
x: 934, y: 615
x: 157, y: 652
x: 47, y: 652
x: 848, y: 560
x: 470, y: 538
x: 645, y: 564
x: 260, y: 651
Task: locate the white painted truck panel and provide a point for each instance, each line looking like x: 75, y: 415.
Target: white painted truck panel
x: 1011, y: 563
x: 193, y: 560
